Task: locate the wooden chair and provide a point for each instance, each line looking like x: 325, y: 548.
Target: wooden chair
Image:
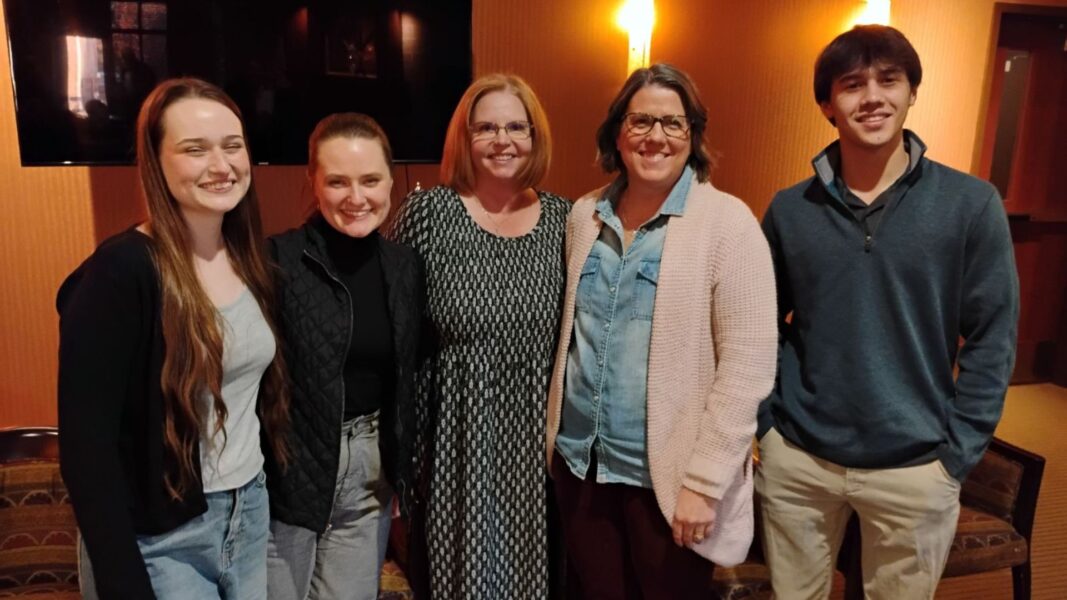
x: 38, y: 533
x: 998, y: 501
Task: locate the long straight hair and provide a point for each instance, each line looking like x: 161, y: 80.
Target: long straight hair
x: 192, y: 364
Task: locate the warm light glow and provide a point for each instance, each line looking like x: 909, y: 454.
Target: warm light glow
x: 410, y: 38
x: 85, y: 72
x: 637, y: 17
x: 876, y: 12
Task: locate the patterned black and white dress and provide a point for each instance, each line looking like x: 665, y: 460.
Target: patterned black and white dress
x: 495, y: 305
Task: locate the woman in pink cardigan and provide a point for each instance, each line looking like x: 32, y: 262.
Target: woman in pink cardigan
x: 667, y: 346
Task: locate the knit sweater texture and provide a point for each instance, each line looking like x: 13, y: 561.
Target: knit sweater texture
x: 866, y: 376
x: 711, y: 357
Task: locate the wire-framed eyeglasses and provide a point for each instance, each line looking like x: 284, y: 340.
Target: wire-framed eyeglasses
x: 516, y: 130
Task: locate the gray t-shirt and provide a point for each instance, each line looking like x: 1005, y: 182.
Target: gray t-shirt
x: 232, y: 457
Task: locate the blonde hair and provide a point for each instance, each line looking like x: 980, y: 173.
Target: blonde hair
x: 457, y: 167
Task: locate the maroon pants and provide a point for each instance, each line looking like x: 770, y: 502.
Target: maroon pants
x: 619, y: 546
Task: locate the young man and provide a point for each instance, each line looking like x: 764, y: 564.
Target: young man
x: 886, y: 260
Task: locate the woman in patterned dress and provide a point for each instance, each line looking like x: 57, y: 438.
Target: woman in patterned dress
x: 493, y: 249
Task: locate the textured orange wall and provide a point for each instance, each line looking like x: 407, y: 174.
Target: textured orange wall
x: 752, y: 61
x: 47, y: 222
x: 574, y: 58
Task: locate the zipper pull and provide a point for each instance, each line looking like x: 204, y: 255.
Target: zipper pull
x: 867, y: 241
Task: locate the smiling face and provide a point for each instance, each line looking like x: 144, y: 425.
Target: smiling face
x: 869, y: 105
x: 204, y: 157
x: 654, y: 160
x: 501, y: 156
x: 352, y: 183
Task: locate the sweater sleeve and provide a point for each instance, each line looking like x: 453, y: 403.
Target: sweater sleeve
x: 99, y: 329
x: 989, y: 315
x: 785, y: 306
x: 743, y: 317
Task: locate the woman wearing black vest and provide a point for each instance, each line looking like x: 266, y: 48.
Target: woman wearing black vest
x: 350, y: 303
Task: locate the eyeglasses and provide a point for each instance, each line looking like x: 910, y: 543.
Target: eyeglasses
x: 516, y: 130
x: 675, y: 126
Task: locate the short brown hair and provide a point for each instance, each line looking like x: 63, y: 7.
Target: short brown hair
x: 672, y: 78
x: 861, y: 47
x: 457, y: 168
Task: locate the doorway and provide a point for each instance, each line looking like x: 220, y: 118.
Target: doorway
x: 1024, y: 154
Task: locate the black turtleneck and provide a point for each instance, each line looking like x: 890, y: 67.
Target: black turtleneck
x: 369, y: 367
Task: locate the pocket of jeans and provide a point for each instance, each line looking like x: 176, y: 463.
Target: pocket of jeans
x: 586, y: 282
x: 645, y: 289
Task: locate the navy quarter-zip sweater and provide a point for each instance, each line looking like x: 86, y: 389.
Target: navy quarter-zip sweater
x: 866, y: 362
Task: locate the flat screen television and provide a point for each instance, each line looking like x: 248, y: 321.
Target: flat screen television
x: 81, y: 68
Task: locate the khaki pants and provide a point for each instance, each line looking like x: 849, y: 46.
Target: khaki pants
x: 907, y: 521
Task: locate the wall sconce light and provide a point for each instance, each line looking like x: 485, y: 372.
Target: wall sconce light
x: 876, y: 12
x: 636, y: 17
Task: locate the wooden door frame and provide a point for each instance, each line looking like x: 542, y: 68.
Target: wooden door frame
x: 999, y: 10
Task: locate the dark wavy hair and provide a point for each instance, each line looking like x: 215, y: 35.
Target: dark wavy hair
x: 670, y: 77
x: 861, y: 47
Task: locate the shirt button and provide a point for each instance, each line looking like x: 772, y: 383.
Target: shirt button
x: 596, y: 398
x: 612, y: 289
x: 600, y: 362
x: 605, y: 326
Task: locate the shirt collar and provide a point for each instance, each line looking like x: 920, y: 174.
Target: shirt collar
x: 673, y: 205
x: 827, y: 163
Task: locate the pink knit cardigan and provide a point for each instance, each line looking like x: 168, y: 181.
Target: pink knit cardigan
x: 711, y: 361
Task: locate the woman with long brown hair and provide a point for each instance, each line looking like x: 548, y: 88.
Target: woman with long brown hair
x: 168, y: 376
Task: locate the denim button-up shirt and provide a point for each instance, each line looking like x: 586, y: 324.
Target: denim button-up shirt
x: 607, y: 365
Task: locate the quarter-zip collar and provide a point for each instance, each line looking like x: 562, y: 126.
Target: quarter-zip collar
x: 827, y: 164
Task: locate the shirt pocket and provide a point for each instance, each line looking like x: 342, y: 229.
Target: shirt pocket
x: 587, y: 282
x: 645, y: 289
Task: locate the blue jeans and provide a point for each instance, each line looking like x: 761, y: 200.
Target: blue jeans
x: 219, y: 554
x: 345, y: 562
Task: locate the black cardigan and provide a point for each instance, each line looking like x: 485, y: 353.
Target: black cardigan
x: 112, y: 455
x: 314, y: 323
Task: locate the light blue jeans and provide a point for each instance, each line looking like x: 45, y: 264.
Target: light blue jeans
x: 219, y: 554
x: 345, y: 562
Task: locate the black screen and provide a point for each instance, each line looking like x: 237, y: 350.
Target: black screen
x: 82, y: 67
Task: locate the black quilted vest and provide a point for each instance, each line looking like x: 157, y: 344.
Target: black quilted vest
x: 314, y: 320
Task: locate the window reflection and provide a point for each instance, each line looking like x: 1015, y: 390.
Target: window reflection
x: 124, y: 15
x: 154, y: 16
x: 85, y: 73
